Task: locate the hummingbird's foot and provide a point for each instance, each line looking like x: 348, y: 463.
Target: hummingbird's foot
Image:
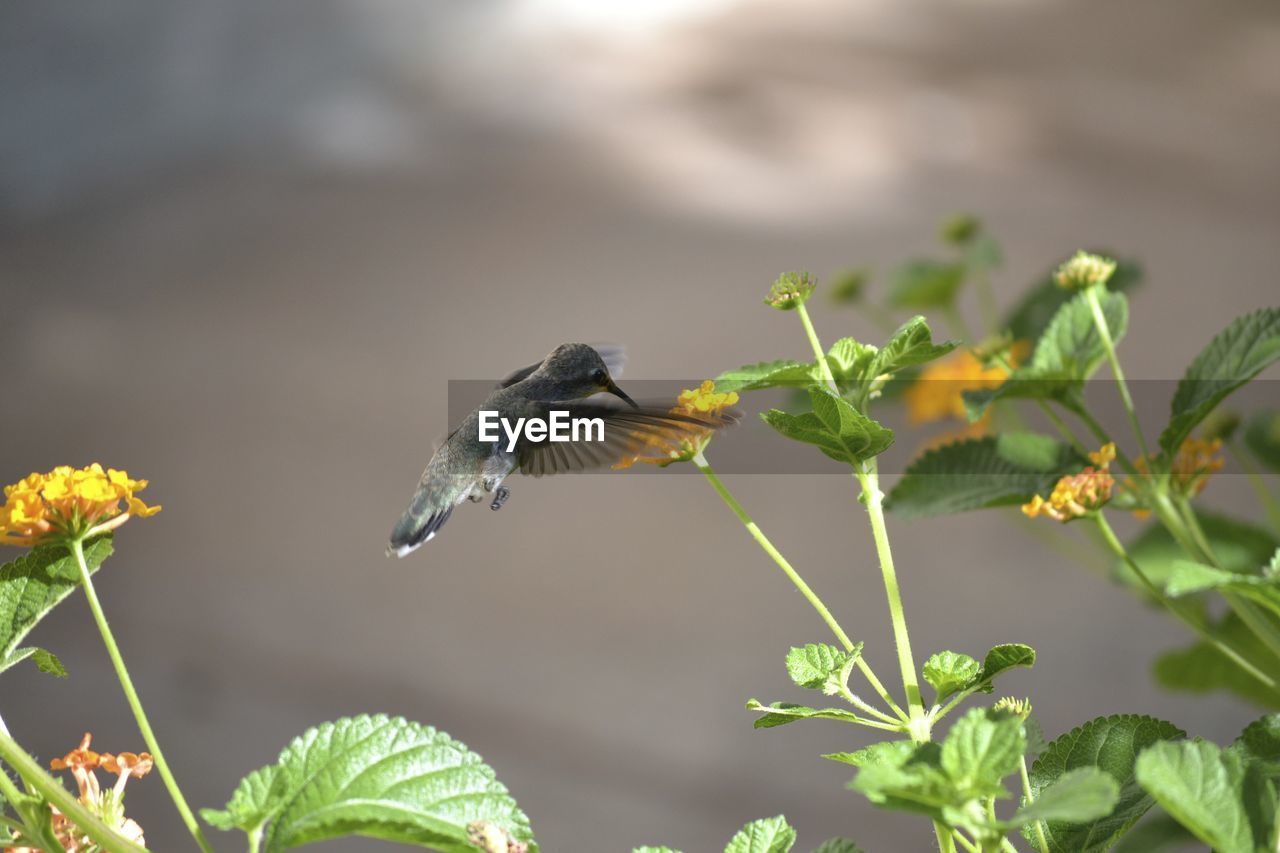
x: 499, y: 498
x: 475, y: 497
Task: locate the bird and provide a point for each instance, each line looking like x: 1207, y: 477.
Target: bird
x: 572, y: 378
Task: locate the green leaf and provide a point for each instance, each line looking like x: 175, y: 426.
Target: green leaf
x: 1065, y: 356
x: 1188, y: 577
x: 849, y: 360
x: 768, y: 835
x: 812, y: 665
x: 834, y: 426
x: 1201, y: 668
x: 765, y: 374
x: 911, y: 345
x: 925, y: 284
x: 1031, y: 316
x: 1260, y: 740
x: 1236, y: 355
x: 907, y: 777
x: 781, y: 713
x: 949, y: 672
x: 1262, y: 437
x: 1077, y: 796
x: 647, y: 849
x: 47, y: 662
x: 844, y: 757
x: 982, y: 472
x: 1110, y: 744
x: 1000, y: 659
x: 838, y: 845
x: 981, y: 749
x: 1158, y: 833
x: 375, y: 776
x: 1216, y: 795
x: 33, y: 585
x: 1239, y: 546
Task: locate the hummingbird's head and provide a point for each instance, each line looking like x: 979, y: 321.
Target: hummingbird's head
x: 579, y: 371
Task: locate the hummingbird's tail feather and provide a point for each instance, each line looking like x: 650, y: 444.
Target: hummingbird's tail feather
x: 414, y: 529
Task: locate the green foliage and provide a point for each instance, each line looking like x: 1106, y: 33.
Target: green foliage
x: 924, y: 283
x: 1236, y: 355
x: 1157, y: 834
x: 1262, y: 437
x: 781, y: 713
x: 1032, y: 314
x: 1067, y: 354
x: 1079, y: 795
x: 834, y: 426
x: 814, y: 666
x: 1202, y: 668
x: 1188, y: 577
x: 30, y: 587
x: 1110, y: 745
x: 767, y: 835
x: 376, y: 776
x: 1239, y: 546
x: 838, y: 845
x: 949, y: 672
x: 910, y: 346
x: 981, y: 749
x: 648, y: 849
x: 1220, y: 796
x: 766, y: 374
x: 978, y: 473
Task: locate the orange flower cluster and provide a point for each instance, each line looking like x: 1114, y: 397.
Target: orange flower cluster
x: 68, y: 503
x: 108, y: 805
x: 1078, y: 495
x: 687, y: 441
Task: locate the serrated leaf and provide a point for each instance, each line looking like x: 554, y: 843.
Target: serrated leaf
x: 924, y: 283
x: 948, y: 672
x: 1201, y: 668
x: 768, y: 835
x: 911, y: 345
x: 849, y: 359
x: 1077, y: 796
x: 375, y: 776
x: 33, y: 585
x: 1262, y: 437
x: 834, y: 426
x: 811, y: 665
x: 1260, y: 740
x: 1239, y: 546
x: 1216, y: 795
x: 1000, y: 659
x: 907, y: 777
x: 765, y: 374
x: 1067, y: 354
x: 1235, y: 355
x: 1028, y: 319
x: 781, y: 713
x: 1110, y: 744
x: 982, y: 748
x: 982, y: 472
x: 837, y: 845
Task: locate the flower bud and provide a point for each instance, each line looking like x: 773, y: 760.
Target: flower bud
x: 1084, y: 270
x: 791, y: 290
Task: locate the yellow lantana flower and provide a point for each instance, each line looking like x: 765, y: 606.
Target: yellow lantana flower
x: 68, y: 503
x: 703, y: 403
x: 1078, y: 494
x: 938, y: 393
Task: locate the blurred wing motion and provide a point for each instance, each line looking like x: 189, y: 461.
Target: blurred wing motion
x: 613, y: 356
x: 648, y: 431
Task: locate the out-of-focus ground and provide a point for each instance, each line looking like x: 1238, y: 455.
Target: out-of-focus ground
x: 245, y: 246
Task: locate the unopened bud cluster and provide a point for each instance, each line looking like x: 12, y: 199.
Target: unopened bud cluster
x: 1083, y: 271
x: 791, y: 290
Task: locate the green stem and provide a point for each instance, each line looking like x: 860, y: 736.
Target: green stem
x: 1173, y: 607
x: 135, y: 704
x: 255, y: 839
x: 1026, y: 792
x: 966, y: 843
x: 1260, y: 488
x: 51, y: 789
x: 818, y: 352
x: 946, y: 839
x: 797, y: 581
x: 868, y: 478
x: 1108, y: 345
x: 1063, y: 430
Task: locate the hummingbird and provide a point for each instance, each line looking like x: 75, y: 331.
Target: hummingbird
x: 573, y: 378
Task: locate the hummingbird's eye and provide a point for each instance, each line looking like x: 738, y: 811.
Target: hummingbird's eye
x: 599, y: 377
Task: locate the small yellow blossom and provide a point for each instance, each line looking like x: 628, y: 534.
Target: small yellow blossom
x: 700, y: 409
x: 938, y: 393
x: 1078, y: 494
x: 67, y: 503
x: 1084, y: 270
x: 1017, y: 707
x: 1197, y: 460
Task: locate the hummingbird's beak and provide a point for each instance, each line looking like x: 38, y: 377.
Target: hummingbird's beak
x: 613, y: 389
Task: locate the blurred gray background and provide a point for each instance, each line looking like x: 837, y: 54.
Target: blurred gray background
x: 244, y: 246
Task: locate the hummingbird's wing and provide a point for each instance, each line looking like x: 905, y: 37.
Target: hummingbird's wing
x: 647, y: 430
x: 613, y: 356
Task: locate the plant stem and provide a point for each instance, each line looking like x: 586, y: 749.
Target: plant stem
x: 1260, y: 488
x: 1104, y: 333
x: 946, y: 839
x: 1061, y: 425
x: 135, y: 704
x: 818, y: 352
x: 1173, y: 607
x: 255, y: 839
x: 1026, y: 791
x: 796, y: 580
x: 51, y: 789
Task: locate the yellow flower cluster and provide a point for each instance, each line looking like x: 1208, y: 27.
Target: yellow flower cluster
x: 1078, y: 494
x: 1198, y: 459
x: 108, y: 805
x: 69, y: 502
x: 680, y: 444
x: 939, y: 391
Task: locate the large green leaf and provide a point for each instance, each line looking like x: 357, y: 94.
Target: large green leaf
x: 981, y: 749
x: 924, y: 283
x: 1221, y: 797
x: 376, y: 776
x: 1067, y: 354
x: 983, y: 472
x: 911, y: 345
x: 767, y: 835
x: 1110, y: 744
x: 1239, y: 546
x: 766, y: 374
x: 1262, y: 437
x: 33, y: 585
x: 834, y: 426
x: 813, y: 665
x: 1028, y: 319
x: 1237, y: 354
x: 1077, y: 796
x: 1201, y: 668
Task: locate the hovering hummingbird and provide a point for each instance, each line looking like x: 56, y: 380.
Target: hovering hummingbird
x: 467, y: 467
